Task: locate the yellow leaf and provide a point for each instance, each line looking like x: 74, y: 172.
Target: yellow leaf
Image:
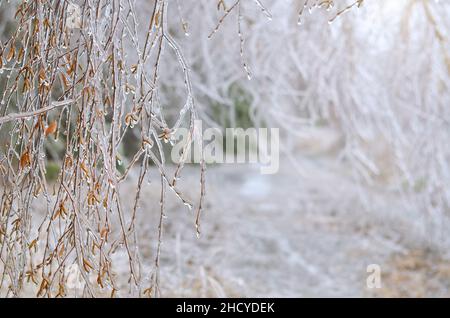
x: 25, y: 159
x: 51, y: 129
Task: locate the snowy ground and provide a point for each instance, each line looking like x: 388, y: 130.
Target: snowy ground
x: 288, y: 236
x: 285, y: 235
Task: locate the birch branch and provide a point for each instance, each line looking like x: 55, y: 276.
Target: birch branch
x: 33, y: 113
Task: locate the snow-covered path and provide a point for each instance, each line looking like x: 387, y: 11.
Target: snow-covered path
x: 288, y: 236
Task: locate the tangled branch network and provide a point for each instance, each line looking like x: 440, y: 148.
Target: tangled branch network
x: 82, y: 74
x: 373, y: 73
x: 90, y: 74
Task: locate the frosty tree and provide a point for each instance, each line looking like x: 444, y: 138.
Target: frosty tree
x: 81, y: 73
x: 88, y: 75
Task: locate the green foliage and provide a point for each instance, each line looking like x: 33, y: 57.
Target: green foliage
x: 52, y: 170
x: 238, y: 115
